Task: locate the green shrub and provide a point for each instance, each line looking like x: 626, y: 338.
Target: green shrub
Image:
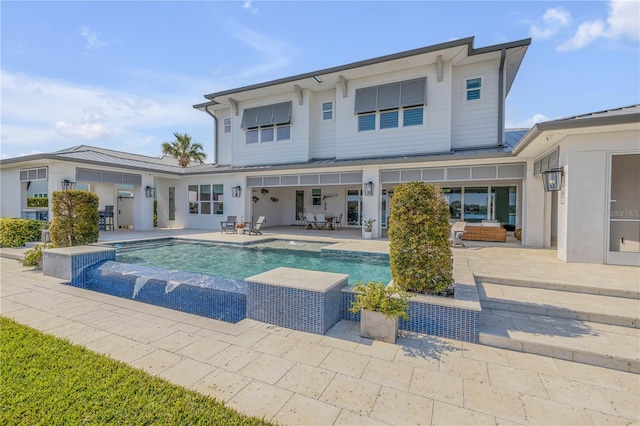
x: 15, y: 232
x: 377, y: 297
x: 75, y: 218
x: 37, y: 202
x: 419, y: 251
x: 34, y: 255
x: 155, y: 213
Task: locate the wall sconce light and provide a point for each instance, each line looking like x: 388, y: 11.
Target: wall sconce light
x: 235, y: 191
x: 552, y: 179
x: 150, y: 192
x: 368, y: 188
x: 67, y: 184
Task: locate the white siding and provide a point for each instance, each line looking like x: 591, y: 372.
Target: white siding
x: 225, y: 139
x: 475, y: 123
x: 278, y: 152
x: 12, y: 189
x: 432, y: 137
x: 322, y: 139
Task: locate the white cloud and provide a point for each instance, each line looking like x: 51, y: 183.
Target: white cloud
x: 46, y: 115
x: 92, y: 39
x: 274, y: 51
x: 527, y: 123
x: 248, y: 5
x: 623, y: 21
x: 554, y: 20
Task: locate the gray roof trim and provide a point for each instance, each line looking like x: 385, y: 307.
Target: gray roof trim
x: 458, y: 155
x: 428, y: 49
x: 595, y: 119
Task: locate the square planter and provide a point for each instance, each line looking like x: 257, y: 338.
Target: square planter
x: 376, y: 326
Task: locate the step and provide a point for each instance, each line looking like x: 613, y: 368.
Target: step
x: 560, y: 304
x: 585, y: 342
x: 612, y: 288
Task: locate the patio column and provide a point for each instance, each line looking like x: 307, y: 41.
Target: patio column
x: 371, y: 203
x: 533, y: 221
x: 143, y: 206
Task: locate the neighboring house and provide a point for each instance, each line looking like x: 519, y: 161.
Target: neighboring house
x: 338, y: 140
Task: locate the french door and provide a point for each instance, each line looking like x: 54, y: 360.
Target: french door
x: 354, y: 207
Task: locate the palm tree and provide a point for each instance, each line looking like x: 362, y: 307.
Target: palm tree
x: 183, y: 150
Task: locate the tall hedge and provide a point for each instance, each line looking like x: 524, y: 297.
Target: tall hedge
x: 15, y: 232
x: 419, y: 251
x: 75, y: 218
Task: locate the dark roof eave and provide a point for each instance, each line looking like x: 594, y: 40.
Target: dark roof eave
x: 428, y: 49
x: 573, y: 123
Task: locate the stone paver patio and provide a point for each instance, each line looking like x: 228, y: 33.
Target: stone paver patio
x: 293, y: 377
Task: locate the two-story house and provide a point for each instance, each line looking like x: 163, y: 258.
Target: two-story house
x: 338, y: 140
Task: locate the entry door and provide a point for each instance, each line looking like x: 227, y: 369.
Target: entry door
x: 299, y: 203
x: 354, y: 207
x: 172, y: 203
x: 623, y: 242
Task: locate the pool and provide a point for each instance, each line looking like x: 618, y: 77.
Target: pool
x: 240, y: 262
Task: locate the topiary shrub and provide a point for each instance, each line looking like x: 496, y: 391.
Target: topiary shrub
x: 37, y: 202
x: 15, y: 232
x: 419, y: 251
x: 75, y: 218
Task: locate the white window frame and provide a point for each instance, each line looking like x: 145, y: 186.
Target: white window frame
x: 465, y: 90
x: 227, y: 124
x: 400, y: 111
x: 260, y: 129
x: 329, y: 111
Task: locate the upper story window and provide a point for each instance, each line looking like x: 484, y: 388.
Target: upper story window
x: 473, y: 87
x: 267, y: 123
x: 227, y: 125
x: 391, y: 105
x: 327, y: 110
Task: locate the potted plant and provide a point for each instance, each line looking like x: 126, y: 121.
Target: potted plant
x: 240, y: 227
x: 380, y: 308
x: 367, y: 226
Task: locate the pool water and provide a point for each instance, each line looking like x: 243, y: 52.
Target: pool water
x: 240, y: 262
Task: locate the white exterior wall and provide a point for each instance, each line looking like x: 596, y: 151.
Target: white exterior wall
x: 225, y: 140
x: 432, y: 137
x: 278, y: 152
x: 322, y: 133
x: 10, y: 205
x: 582, y: 219
x: 475, y: 123
x: 533, y: 218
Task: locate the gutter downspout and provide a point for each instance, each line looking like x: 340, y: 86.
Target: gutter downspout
x: 501, y: 97
x: 215, y: 136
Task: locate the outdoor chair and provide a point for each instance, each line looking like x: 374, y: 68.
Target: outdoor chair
x: 455, y: 236
x: 321, y: 221
x: 229, y: 225
x: 338, y: 222
x: 310, y: 219
x: 302, y: 219
x: 254, y: 228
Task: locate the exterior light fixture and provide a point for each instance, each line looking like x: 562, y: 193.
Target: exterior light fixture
x: 552, y: 179
x: 368, y: 189
x: 317, y: 79
x: 235, y: 191
x: 150, y: 192
x: 67, y: 184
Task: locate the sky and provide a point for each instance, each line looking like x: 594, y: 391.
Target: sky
x: 124, y: 75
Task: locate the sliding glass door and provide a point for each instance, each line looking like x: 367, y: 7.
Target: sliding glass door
x: 354, y: 207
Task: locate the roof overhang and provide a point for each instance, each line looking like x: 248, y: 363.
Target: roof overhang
x: 544, y: 135
x: 459, y: 51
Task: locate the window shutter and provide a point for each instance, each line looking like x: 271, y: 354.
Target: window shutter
x: 265, y: 115
x: 282, y: 113
x: 414, y: 92
x: 388, y: 96
x: 249, y: 118
x: 366, y: 100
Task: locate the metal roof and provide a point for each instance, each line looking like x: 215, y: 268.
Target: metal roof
x: 623, y: 115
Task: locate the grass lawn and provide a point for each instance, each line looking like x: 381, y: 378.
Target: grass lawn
x: 46, y: 380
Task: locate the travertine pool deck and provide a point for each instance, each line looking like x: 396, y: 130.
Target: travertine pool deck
x: 293, y: 377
